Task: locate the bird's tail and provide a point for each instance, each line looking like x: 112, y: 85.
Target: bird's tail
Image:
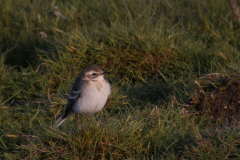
x: 61, y: 119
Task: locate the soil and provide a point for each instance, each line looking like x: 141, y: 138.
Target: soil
x: 221, y: 103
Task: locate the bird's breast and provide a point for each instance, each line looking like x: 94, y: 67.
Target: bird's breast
x: 93, y: 98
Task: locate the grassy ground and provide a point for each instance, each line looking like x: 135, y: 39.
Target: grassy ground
x: 155, y: 50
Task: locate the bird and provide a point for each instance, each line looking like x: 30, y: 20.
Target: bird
x: 89, y: 94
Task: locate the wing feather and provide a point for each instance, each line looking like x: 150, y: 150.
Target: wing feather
x: 74, y: 95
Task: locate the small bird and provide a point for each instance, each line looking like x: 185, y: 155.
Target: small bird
x: 89, y: 94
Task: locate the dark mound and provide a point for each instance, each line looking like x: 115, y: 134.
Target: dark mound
x: 221, y: 103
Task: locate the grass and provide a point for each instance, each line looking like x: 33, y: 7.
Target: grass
x: 155, y: 50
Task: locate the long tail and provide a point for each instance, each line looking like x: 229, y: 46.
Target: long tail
x: 61, y: 119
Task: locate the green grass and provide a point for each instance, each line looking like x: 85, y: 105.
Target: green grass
x: 155, y: 50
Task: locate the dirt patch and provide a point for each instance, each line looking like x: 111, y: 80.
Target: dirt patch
x: 221, y: 102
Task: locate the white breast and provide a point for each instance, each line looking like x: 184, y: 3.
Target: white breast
x: 93, y: 98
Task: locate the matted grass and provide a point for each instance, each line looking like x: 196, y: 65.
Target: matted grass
x: 156, y: 50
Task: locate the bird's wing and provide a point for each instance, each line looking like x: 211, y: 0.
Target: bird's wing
x: 74, y: 95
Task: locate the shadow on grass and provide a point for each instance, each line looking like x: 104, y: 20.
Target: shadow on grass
x: 25, y: 54
x: 154, y: 92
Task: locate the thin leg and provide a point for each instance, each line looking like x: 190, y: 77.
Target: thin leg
x: 100, y: 123
x: 79, y: 125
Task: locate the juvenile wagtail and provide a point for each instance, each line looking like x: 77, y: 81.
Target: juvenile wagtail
x: 89, y: 94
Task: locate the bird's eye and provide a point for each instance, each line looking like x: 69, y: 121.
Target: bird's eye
x: 94, y: 74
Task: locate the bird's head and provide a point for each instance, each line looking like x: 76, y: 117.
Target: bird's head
x: 94, y: 73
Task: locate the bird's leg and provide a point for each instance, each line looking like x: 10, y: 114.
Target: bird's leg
x: 79, y: 125
x: 100, y: 119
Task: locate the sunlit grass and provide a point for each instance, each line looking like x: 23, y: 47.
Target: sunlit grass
x: 155, y: 51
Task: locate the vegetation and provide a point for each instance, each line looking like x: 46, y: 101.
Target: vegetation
x: 159, y: 52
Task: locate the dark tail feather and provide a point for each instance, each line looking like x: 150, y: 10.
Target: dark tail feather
x: 61, y: 119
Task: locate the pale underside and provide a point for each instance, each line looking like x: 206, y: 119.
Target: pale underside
x: 93, y: 98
